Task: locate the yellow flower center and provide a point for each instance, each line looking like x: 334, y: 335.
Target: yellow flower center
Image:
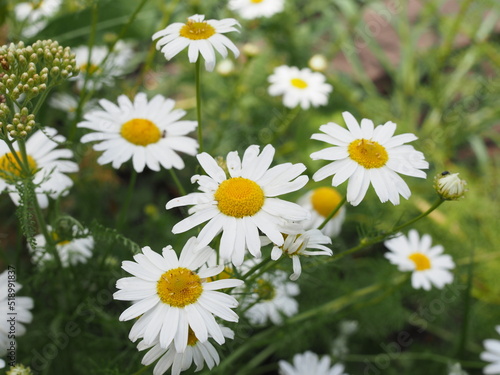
x: 90, y: 68
x: 179, y: 287
x: 422, y: 261
x: 196, y: 30
x: 369, y: 154
x: 299, y: 83
x: 192, y: 339
x: 10, y: 168
x: 256, y: 1
x: 265, y: 290
x: 324, y: 200
x: 239, y: 197
x: 140, y: 132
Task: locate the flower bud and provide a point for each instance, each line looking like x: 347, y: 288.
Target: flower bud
x: 449, y: 186
x: 318, y: 63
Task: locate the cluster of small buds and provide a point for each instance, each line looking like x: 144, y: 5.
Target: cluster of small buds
x: 449, y: 186
x: 22, y: 124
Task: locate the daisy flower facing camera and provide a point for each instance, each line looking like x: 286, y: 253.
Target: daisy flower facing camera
x: 243, y: 203
x: 366, y: 154
x: 429, y: 265
x: 492, y: 354
x: 200, y: 37
x: 251, y: 9
x: 309, y: 363
x: 299, y: 87
x: 149, y: 133
x: 170, y: 295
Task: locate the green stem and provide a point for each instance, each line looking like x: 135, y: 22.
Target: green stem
x: 198, y: 102
x: 256, y: 267
x: 466, y: 308
x: 177, y: 182
x: 141, y: 370
x: 126, y: 204
x: 333, y: 213
x: 435, y: 205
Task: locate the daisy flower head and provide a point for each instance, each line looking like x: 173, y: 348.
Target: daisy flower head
x: 299, y: 87
x: 251, y: 9
x: 200, y: 36
x: 22, y: 310
x: 310, y: 363
x: 366, y: 154
x: 149, y: 133
x: 492, y: 354
x: 76, y: 250
x: 200, y: 353
x: 47, y: 164
x: 243, y: 203
x: 320, y: 202
x: 171, y: 295
x: 34, y: 14
x: 428, y: 263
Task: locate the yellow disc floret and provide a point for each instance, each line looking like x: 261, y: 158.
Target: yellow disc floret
x: 256, y: 1
x: 239, y: 197
x: 10, y: 168
x: 299, y: 83
x: 422, y: 261
x: 192, y: 339
x: 369, y: 154
x: 140, y: 132
x: 265, y: 290
x: 324, y: 200
x: 196, y: 30
x: 179, y: 287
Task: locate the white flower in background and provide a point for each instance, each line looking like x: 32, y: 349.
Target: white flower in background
x: 449, y: 186
x: 492, y: 354
x: 200, y: 353
x: 21, y: 308
x: 170, y: 295
x: 149, y: 133
x: 72, y: 251
x: 296, y: 245
x: 225, y: 67
x: 69, y: 103
x: 200, y: 37
x: 340, y: 349
x: 251, y: 9
x: 34, y: 15
x: 428, y: 263
x: 243, y: 203
x: 309, y: 363
x: 320, y: 202
x: 318, y: 63
x: 48, y: 164
x: 456, y: 369
x: 2, y: 363
x: 367, y: 155
x: 299, y: 87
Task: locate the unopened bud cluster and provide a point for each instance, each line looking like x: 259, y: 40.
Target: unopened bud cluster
x: 22, y: 124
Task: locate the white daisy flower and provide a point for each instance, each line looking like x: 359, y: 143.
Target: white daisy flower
x: 251, y: 9
x: 456, y: 369
x: 320, y: 202
x: 21, y: 308
x: 297, y: 242
x: 169, y: 296
x: 303, y: 87
x: 73, y: 251
x: 196, y: 351
x: 48, y: 164
x: 272, y: 297
x: 199, y: 36
x: 243, y: 203
x: 367, y: 155
x: 34, y: 14
x: 492, y: 354
x: 149, y: 133
x: 428, y: 263
x: 309, y: 363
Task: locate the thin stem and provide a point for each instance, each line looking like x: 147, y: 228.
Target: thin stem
x: 177, y: 182
x: 130, y: 191
x: 466, y: 308
x: 435, y: 205
x: 333, y: 213
x: 256, y: 267
x: 198, y: 102
x: 141, y: 370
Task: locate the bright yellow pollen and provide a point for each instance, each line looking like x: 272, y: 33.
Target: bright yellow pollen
x: 239, y: 197
x: 179, y: 287
x: 299, y: 83
x: 369, y: 154
x: 422, y: 261
x: 324, y: 200
x: 256, y: 1
x: 10, y: 168
x: 192, y: 339
x: 265, y: 290
x: 196, y: 30
x: 140, y: 132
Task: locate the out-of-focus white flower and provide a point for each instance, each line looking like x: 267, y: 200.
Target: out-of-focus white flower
x: 492, y: 354
x: 34, y: 14
x: 309, y: 363
x: 251, y: 9
x: 318, y: 63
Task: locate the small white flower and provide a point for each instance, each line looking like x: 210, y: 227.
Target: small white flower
x: 149, y: 133
x: 318, y: 63
x: 309, y: 363
x: 2, y: 363
x: 368, y: 155
x: 492, y: 354
x: 200, y: 37
x: 34, y: 14
x: 299, y: 87
x: 428, y: 263
x: 449, y: 186
x: 171, y: 295
x: 243, y: 203
x: 200, y: 353
x: 225, y: 67
x: 251, y: 9
x: 456, y: 369
x: 320, y: 202
x: 50, y: 165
